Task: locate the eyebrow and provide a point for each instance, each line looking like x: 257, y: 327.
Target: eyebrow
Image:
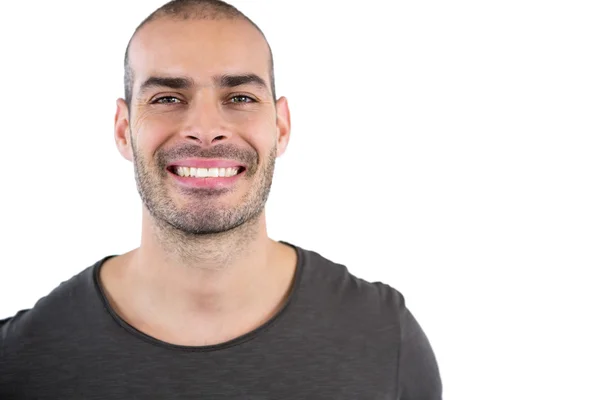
x: 172, y: 83
x: 228, y: 81
x: 223, y: 81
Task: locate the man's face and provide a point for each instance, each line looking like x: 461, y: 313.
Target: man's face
x: 201, y: 106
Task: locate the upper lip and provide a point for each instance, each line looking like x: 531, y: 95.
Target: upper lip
x: 205, y: 163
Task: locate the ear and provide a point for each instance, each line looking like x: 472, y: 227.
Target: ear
x: 122, y: 137
x: 283, y: 125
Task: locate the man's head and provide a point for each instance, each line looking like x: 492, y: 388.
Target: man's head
x: 199, y: 92
x: 193, y: 9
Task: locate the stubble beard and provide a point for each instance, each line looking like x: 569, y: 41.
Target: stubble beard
x: 198, y: 218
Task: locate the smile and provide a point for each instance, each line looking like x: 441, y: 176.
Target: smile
x: 206, y: 172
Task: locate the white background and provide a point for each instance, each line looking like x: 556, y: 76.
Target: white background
x: 448, y: 148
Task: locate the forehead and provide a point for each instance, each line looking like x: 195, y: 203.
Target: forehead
x: 198, y: 48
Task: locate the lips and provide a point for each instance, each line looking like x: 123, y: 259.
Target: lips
x: 205, y: 168
x: 205, y: 163
x: 206, y: 173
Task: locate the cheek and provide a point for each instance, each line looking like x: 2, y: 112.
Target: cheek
x: 258, y: 131
x: 151, y: 130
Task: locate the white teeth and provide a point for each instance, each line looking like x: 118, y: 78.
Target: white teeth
x: 232, y: 171
x: 213, y: 172
x: 206, y: 172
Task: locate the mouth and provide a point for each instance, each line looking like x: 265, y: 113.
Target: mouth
x: 208, y: 173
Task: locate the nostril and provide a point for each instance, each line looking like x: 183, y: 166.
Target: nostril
x: 219, y: 137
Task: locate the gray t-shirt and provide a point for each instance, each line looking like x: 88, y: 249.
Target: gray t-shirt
x: 337, y: 337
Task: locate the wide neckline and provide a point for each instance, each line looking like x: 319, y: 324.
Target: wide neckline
x: 300, y: 260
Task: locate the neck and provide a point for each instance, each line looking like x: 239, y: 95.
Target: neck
x: 209, y: 288
x: 214, y: 270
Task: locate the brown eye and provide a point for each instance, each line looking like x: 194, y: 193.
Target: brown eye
x: 166, y: 100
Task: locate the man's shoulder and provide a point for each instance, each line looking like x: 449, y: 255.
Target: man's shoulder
x: 337, y: 276
x: 335, y: 288
x: 51, y: 313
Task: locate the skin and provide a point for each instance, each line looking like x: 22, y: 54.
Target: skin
x: 205, y: 271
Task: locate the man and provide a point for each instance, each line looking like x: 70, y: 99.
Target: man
x: 209, y: 306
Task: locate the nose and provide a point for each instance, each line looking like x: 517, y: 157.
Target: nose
x: 204, y: 123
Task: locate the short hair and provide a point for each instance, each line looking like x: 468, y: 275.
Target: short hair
x: 193, y: 9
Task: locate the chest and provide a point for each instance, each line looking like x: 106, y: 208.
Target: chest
x: 325, y: 370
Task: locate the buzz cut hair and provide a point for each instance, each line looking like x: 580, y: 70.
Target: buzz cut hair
x: 192, y: 10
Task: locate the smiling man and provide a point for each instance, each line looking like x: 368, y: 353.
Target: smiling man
x: 208, y: 306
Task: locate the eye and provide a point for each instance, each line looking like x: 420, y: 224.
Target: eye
x: 241, y: 98
x: 166, y: 100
